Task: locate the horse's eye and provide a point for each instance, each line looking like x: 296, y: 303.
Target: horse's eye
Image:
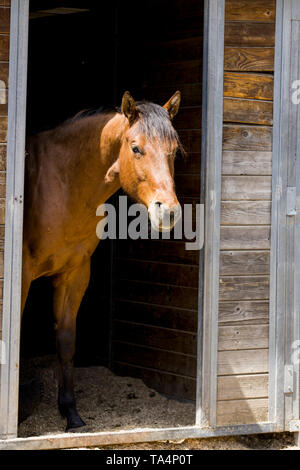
x: 136, y: 149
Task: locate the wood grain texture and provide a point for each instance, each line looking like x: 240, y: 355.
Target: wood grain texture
x: 245, y: 212
x: 242, y: 411
x: 2, y: 211
x: 2, y: 157
x: 244, y: 34
x: 243, y: 337
x: 245, y: 238
x: 170, y: 296
x: 239, y: 387
x: 245, y: 85
x: 2, y: 184
x: 3, y: 129
x: 252, y: 361
x: 4, y: 74
x: 238, y: 137
x: 249, y: 59
x: 163, y: 273
x: 246, y: 187
x: 165, y: 361
x: 156, y: 315
x: 244, y: 288
x: 247, y: 163
x: 156, y: 337
x: 244, y: 262
x: 248, y: 111
x: 255, y: 10
x: 4, y: 20
x: 4, y: 47
x: 242, y: 311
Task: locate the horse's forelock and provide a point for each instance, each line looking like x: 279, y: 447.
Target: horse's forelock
x: 154, y: 123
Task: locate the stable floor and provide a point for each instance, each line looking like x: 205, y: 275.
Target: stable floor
x: 106, y: 402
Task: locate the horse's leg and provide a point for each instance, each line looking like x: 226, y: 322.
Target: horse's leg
x: 69, y: 289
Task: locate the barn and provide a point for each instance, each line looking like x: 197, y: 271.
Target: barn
x: 216, y: 327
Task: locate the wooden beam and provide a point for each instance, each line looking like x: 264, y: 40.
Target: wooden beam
x: 249, y: 59
x: 258, y: 10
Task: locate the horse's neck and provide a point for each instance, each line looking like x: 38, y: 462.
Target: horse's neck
x: 94, y: 145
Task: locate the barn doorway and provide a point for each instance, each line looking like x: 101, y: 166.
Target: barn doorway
x: 85, y: 55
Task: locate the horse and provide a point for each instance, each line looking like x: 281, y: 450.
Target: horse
x: 69, y: 172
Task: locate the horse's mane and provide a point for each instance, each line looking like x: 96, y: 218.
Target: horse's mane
x: 153, y: 121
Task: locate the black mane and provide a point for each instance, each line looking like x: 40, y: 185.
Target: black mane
x: 153, y: 121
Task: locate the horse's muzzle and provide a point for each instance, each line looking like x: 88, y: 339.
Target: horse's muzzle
x: 164, y: 217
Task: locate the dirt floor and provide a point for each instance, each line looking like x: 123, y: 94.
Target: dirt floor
x: 109, y: 402
x: 105, y: 402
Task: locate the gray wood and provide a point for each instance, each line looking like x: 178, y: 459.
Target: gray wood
x: 68, y: 441
x: 240, y: 387
x: 285, y: 255
x: 14, y: 216
x: 247, y: 163
x: 237, y: 338
x: 212, y: 131
x: 242, y: 411
x: 251, y: 361
x: 246, y: 188
x: 296, y: 10
x: 245, y: 237
x: 246, y: 212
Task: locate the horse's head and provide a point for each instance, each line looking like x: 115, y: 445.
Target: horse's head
x: 146, y: 160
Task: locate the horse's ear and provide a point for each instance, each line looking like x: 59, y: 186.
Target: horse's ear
x: 128, y: 107
x: 173, y: 104
x: 112, y: 173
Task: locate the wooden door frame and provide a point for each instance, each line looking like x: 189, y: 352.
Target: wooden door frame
x: 211, y: 162
x: 17, y: 91
x: 285, y: 230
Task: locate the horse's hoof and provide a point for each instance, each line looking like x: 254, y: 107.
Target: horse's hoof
x: 74, y: 423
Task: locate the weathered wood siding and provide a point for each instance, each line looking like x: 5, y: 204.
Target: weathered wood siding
x: 156, y: 288
x: 245, y: 212
x: 4, y: 56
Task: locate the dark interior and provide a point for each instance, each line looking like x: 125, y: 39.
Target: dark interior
x: 139, y: 315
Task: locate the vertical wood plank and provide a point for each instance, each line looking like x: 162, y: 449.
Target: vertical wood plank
x: 14, y: 217
x: 212, y: 123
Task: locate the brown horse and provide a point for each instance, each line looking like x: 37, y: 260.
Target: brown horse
x: 70, y: 171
